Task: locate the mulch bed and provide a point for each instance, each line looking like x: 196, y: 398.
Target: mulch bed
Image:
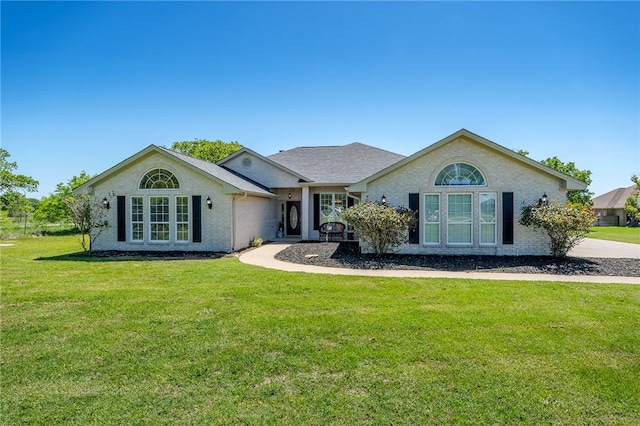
x: 347, y: 255
x: 143, y: 254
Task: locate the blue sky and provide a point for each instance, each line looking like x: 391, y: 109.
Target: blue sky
x: 87, y: 84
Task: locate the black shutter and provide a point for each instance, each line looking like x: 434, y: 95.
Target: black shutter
x: 316, y: 211
x: 507, y: 218
x: 122, y: 214
x: 350, y: 201
x: 414, y: 231
x: 196, y: 201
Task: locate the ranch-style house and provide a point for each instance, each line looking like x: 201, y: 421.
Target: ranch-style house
x: 465, y: 190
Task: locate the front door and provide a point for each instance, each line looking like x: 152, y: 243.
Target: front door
x: 293, y: 218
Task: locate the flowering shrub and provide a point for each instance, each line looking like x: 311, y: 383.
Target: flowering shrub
x: 381, y: 227
x: 566, y: 225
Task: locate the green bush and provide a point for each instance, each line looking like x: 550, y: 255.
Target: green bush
x: 566, y: 225
x: 378, y: 226
x: 255, y: 242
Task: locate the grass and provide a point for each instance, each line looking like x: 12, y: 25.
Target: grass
x: 100, y: 342
x: 616, y: 233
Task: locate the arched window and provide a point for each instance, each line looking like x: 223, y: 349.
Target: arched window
x: 159, y: 179
x: 460, y: 174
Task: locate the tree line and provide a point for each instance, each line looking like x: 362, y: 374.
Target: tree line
x: 61, y: 206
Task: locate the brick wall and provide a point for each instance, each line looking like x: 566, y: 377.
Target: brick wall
x: 502, y: 174
x: 216, y: 223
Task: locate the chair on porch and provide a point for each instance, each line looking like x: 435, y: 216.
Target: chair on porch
x: 331, y: 230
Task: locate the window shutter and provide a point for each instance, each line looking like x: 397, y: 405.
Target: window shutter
x: 196, y: 201
x: 414, y: 231
x: 507, y: 218
x: 121, y: 220
x: 316, y: 211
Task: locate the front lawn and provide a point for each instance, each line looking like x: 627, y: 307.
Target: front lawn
x: 616, y: 233
x: 203, y: 341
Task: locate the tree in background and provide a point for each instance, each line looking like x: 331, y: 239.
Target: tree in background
x: 378, y: 226
x: 581, y: 197
x: 566, y: 225
x: 212, y: 151
x: 631, y: 205
x: 13, y: 188
x: 54, y: 208
x: 11, y: 182
x: 575, y: 197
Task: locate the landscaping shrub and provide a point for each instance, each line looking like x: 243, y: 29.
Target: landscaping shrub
x: 380, y: 227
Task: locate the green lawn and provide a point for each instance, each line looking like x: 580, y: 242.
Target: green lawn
x: 616, y: 233
x: 147, y: 342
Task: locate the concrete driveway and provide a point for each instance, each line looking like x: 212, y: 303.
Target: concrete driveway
x: 590, y: 247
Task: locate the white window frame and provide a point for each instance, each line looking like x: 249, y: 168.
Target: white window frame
x: 166, y: 223
x: 137, y: 218
x: 436, y: 221
x: 179, y: 222
x: 453, y: 223
x: 335, y: 213
x: 493, y: 223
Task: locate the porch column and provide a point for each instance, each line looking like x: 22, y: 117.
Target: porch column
x: 307, y: 213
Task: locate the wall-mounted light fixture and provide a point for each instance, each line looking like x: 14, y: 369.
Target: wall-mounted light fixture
x: 383, y: 200
x: 105, y: 203
x: 209, y: 203
x: 543, y: 201
x: 289, y: 195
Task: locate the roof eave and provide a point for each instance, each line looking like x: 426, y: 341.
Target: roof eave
x: 566, y: 182
x: 262, y: 157
x: 227, y: 187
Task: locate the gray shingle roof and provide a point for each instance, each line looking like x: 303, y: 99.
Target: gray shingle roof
x: 613, y: 199
x: 336, y: 164
x: 223, y: 174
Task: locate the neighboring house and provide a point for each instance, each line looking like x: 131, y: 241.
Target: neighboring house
x: 610, y: 207
x: 467, y: 193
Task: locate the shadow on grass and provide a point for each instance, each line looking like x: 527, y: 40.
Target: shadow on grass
x: 125, y: 256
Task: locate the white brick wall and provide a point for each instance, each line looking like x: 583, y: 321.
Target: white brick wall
x: 502, y: 174
x: 216, y: 223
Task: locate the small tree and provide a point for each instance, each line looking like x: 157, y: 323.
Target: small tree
x: 631, y: 204
x: 89, y: 216
x: 381, y: 227
x: 566, y: 225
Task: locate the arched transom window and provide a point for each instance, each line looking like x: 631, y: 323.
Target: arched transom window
x: 159, y: 179
x: 460, y: 174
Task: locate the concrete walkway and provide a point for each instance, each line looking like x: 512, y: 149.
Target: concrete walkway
x: 590, y: 247
x: 264, y: 257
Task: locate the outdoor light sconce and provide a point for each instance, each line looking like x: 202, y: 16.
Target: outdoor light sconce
x: 383, y: 200
x: 209, y: 203
x: 544, y: 200
x: 105, y: 203
x: 289, y: 195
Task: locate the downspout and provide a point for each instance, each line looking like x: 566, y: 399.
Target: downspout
x: 233, y: 219
x: 346, y: 188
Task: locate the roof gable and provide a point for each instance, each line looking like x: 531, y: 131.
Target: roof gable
x: 569, y: 182
x: 615, y: 199
x: 232, y: 183
x: 225, y: 162
x: 333, y: 165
